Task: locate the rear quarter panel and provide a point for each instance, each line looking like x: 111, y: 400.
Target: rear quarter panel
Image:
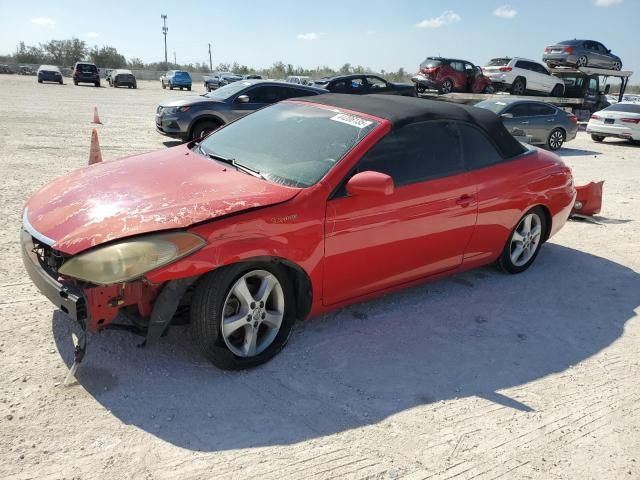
x: 506, y: 191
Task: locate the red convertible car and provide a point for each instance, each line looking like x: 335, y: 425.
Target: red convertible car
x: 301, y: 207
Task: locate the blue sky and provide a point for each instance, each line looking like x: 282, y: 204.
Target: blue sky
x: 380, y: 34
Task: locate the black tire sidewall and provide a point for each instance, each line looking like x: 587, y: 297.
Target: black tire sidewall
x: 597, y: 138
x: 516, y: 82
x: 206, y: 312
x: 198, y: 130
x: 505, y: 257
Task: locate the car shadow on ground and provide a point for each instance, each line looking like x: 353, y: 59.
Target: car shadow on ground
x: 471, y: 335
x: 172, y: 143
x: 576, y: 152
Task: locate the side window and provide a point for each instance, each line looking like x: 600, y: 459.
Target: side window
x: 522, y: 64
x: 542, y: 109
x: 265, y: 94
x: 339, y: 86
x: 593, y: 85
x: 457, y: 66
x: 417, y: 152
x: 477, y: 149
x: 292, y: 92
x: 601, y: 48
x: 357, y: 84
x: 376, y: 83
x: 540, y: 69
x: 519, y: 110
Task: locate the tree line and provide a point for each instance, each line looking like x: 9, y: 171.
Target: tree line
x: 65, y: 53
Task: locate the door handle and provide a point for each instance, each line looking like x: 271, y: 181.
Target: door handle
x: 549, y: 121
x: 465, y: 200
x: 524, y: 122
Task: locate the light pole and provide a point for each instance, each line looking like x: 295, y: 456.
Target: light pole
x: 165, y: 29
x: 174, y: 59
x: 210, y: 62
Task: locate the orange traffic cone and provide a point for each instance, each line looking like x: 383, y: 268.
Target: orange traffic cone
x: 96, y: 118
x: 94, y: 152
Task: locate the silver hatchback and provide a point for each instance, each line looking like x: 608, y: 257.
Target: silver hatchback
x: 540, y: 123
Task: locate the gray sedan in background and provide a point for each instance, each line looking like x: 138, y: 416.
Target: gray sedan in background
x: 541, y: 123
x: 192, y: 117
x: 581, y: 53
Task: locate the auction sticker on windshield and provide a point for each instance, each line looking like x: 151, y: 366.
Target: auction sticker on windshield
x: 351, y: 120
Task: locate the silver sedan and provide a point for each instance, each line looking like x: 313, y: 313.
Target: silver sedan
x: 541, y: 123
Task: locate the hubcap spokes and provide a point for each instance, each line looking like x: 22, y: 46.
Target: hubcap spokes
x: 556, y: 140
x: 525, y: 239
x: 252, y: 313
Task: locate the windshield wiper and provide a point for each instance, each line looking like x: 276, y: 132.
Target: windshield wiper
x: 233, y: 163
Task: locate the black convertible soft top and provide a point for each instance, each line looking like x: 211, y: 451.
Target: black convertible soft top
x: 401, y: 111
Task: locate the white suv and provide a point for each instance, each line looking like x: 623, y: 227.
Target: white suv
x: 520, y: 76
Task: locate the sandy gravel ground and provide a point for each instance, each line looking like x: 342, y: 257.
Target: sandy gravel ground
x: 482, y: 375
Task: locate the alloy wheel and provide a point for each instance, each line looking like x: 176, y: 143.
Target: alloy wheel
x: 582, y: 61
x: 556, y: 139
x: 447, y: 86
x: 525, y: 239
x: 252, y: 313
x: 617, y: 65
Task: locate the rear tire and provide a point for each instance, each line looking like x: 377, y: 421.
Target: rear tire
x: 524, y: 242
x: 555, y: 139
x: 582, y: 61
x: 617, y: 65
x: 519, y: 86
x: 446, y: 87
x: 189, y: 88
x: 215, y: 301
x: 597, y: 138
x: 164, y: 86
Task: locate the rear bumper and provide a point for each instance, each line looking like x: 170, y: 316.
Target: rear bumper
x: 612, y: 131
x: 67, y: 298
x: 559, y: 58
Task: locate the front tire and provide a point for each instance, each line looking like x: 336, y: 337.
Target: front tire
x: 242, y: 315
x: 617, y: 65
x: 582, y: 61
x: 203, y: 128
x: 524, y: 243
x: 555, y: 139
x: 597, y: 138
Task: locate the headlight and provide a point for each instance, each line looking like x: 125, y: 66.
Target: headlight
x: 172, y: 110
x: 130, y: 259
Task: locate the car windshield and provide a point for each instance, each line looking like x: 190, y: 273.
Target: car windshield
x: 498, y: 62
x: 495, y: 106
x: 431, y: 62
x: 228, y: 91
x: 624, y: 107
x: 289, y: 143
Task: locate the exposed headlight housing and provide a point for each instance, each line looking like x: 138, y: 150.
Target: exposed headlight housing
x: 131, y: 259
x: 172, y: 110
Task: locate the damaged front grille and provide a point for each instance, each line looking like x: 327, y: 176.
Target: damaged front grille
x: 49, y: 258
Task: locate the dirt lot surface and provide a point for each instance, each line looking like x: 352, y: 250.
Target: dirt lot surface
x: 483, y: 375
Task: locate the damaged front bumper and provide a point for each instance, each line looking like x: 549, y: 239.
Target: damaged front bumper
x: 95, y: 307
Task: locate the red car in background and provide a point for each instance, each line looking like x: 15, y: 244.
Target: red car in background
x: 447, y: 75
x: 299, y: 208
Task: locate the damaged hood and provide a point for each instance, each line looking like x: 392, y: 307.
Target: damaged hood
x: 172, y: 188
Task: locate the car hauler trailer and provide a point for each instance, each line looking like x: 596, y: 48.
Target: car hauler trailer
x: 583, y: 92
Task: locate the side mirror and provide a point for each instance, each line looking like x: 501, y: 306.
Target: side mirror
x: 507, y: 115
x: 243, y: 99
x: 370, y: 183
x: 606, y: 89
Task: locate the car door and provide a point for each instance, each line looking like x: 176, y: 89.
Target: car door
x: 459, y: 75
x: 378, y: 85
x: 604, y: 57
x: 545, y: 80
x: 541, y: 121
x: 518, y: 123
x: 259, y: 96
x: 421, y: 229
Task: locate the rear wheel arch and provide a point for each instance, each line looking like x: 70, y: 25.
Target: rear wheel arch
x: 548, y: 218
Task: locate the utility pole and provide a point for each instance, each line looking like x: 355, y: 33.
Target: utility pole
x: 174, y: 59
x: 210, y: 62
x: 165, y: 29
